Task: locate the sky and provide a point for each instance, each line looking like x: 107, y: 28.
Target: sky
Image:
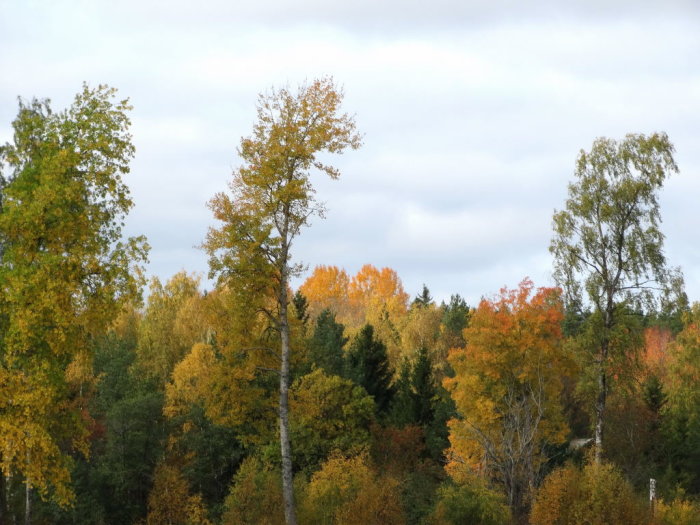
x: 473, y: 113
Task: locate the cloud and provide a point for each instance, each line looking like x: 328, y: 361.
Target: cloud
x: 473, y: 115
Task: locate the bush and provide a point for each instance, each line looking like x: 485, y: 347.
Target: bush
x: 472, y: 503
x: 347, y: 491
x: 255, y: 497
x: 678, y: 512
x: 596, y: 494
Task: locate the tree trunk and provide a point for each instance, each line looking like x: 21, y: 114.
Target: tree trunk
x: 602, y: 396
x: 287, y: 481
x: 4, y: 515
x: 600, y: 412
x: 28, y: 504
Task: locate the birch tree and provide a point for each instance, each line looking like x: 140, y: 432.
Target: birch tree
x: 608, y: 247
x: 271, y: 201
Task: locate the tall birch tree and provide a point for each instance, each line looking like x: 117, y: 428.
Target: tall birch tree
x: 271, y: 201
x: 608, y: 247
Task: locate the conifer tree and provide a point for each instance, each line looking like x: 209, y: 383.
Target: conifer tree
x: 368, y: 366
x: 327, y: 343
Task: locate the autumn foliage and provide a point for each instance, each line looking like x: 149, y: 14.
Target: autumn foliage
x: 344, y: 401
x: 507, y: 387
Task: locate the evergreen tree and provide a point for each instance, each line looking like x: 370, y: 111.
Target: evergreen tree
x: 301, y: 307
x: 424, y: 389
x: 326, y: 344
x: 369, y: 367
x: 403, y: 403
x: 424, y: 298
x: 455, y: 320
x: 419, y: 400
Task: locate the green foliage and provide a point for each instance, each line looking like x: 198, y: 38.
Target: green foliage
x: 210, y: 455
x: 255, y: 497
x: 681, y: 423
x: 455, y: 318
x: 368, y: 366
x: 472, y: 502
x: 608, y: 248
x: 418, y: 400
x: 329, y: 413
x: 327, y: 343
x: 65, y: 272
x: 301, y: 306
x: 129, y: 438
x: 164, y: 337
x: 423, y: 299
x: 607, y: 240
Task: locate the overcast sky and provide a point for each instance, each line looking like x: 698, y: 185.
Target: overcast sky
x: 473, y: 113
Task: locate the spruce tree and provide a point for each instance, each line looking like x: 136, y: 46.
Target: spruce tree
x: 369, y: 367
x: 326, y: 344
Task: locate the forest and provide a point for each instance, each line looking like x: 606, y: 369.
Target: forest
x: 346, y: 400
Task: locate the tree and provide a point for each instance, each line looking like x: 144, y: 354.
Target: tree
x: 163, y: 340
x: 65, y: 271
x: 423, y: 299
x: 596, y: 494
x: 326, y: 344
x: 327, y: 288
x: 417, y: 400
x: 272, y: 200
x: 607, y: 242
x: 348, y: 491
x: 331, y: 413
x: 376, y: 294
x: 170, y: 501
x: 255, y: 497
x: 471, y: 502
x: 369, y: 367
x: 506, y: 389
x: 681, y: 424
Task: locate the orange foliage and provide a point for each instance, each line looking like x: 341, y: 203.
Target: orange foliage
x: 372, y: 296
x: 327, y: 287
x: 374, y: 292
x: 656, y: 341
x: 507, y: 387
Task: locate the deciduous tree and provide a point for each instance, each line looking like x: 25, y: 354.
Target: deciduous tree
x: 506, y: 389
x: 65, y: 271
x: 271, y: 200
x: 607, y: 245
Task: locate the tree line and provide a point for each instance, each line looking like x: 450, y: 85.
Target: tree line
x: 344, y: 401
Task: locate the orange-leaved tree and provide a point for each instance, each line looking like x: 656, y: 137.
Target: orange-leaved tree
x: 506, y: 389
x: 327, y: 287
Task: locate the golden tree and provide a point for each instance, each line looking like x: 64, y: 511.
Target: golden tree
x: 271, y: 200
x: 65, y: 273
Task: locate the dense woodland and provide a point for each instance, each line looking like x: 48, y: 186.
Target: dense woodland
x: 345, y: 401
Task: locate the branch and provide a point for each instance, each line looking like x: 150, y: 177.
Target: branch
x: 263, y: 348
x: 265, y: 369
